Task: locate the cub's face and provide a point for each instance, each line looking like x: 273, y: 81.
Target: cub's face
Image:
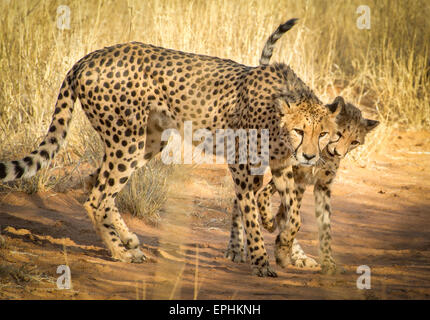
x: 352, y: 129
x: 310, y: 128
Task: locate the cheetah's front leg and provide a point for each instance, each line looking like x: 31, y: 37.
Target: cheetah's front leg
x: 298, y: 257
x: 264, y: 201
x: 323, y: 213
x: 289, y: 219
x: 246, y: 201
x: 236, y: 249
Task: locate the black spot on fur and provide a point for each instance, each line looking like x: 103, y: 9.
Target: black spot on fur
x: 19, y: 171
x: 28, y: 161
x: 2, y: 171
x: 44, y: 154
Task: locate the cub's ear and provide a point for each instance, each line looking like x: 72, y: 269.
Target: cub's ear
x: 370, y: 124
x: 336, y: 106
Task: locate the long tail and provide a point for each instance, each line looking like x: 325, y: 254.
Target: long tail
x: 49, y: 147
x: 266, y: 55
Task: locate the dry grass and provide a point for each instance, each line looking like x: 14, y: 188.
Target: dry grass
x: 147, y: 191
x: 16, y: 276
x: 19, y: 276
x: 3, y: 243
x: 385, y: 69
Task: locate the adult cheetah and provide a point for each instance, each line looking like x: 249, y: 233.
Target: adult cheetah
x: 132, y: 92
x: 351, y: 132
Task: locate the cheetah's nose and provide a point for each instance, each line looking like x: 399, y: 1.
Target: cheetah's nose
x: 308, y: 157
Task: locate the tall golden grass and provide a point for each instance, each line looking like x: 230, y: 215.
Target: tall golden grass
x: 385, y: 69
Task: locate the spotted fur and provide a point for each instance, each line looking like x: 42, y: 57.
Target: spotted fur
x: 132, y: 92
x: 352, y: 129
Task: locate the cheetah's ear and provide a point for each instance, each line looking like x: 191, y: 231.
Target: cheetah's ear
x: 370, y: 124
x: 283, y: 106
x: 336, y: 106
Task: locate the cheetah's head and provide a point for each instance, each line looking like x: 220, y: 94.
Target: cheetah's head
x: 352, y: 129
x: 310, y: 127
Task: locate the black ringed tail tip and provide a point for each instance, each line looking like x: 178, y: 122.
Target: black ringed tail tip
x: 288, y: 25
x: 266, y: 55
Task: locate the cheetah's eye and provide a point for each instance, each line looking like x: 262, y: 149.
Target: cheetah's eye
x: 355, y: 143
x: 323, y: 134
x: 299, y: 131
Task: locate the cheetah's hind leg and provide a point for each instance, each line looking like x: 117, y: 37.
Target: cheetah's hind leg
x: 122, y: 243
x: 119, y: 162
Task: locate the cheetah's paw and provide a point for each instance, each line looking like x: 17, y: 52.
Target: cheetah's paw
x: 265, y: 271
x: 283, y: 257
x: 270, y: 225
x: 305, y: 262
x: 329, y: 268
x: 130, y: 256
x: 235, y: 255
x: 131, y: 242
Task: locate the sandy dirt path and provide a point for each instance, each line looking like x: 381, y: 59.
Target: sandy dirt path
x: 381, y: 218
